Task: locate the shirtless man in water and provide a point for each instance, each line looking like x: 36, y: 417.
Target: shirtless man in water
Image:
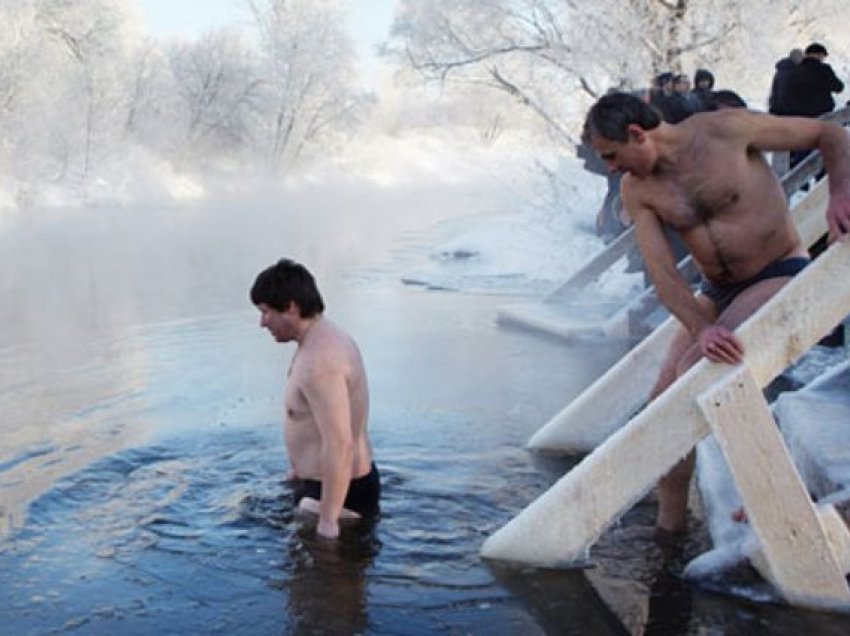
x: 707, y: 178
x: 326, y: 403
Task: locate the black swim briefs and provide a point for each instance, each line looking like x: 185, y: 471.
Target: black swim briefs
x: 723, y: 295
x: 363, y: 497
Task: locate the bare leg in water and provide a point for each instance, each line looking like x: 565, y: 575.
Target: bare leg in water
x: 683, y: 354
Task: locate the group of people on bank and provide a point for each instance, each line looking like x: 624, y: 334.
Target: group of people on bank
x: 803, y: 84
x: 674, y: 97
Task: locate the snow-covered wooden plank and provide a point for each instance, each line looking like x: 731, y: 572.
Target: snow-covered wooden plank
x: 595, y: 267
x: 837, y: 533
x: 608, y: 403
x: 567, y: 322
x: 798, y: 558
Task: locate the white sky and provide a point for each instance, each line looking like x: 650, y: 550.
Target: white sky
x: 186, y: 17
x: 370, y: 18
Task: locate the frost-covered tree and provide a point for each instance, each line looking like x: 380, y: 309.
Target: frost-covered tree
x: 89, y: 45
x: 554, y: 56
x: 16, y: 39
x: 309, y: 86
x: 61, y: 84
x: 82, y: 89
x: 19, y: 48
x: 217, y: 81
x: 148, y: 71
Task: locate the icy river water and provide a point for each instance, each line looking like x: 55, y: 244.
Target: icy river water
x: 141, y: 453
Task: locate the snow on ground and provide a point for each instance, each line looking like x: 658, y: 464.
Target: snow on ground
x: 137, y: 177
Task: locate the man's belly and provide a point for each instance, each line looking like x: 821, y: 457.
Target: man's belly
x: 305, y: 458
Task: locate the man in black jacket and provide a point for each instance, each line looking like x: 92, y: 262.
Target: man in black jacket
x: 784, y: 67
x: 809, y: 87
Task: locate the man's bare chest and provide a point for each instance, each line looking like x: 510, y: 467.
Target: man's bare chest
x: 295, y: 402
x: 697, y: 194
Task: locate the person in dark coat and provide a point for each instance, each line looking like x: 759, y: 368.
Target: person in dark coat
x: 662, y: 88
x: 776, y: 104
x: 808, y: 91
x: 685, y: 102
x: 703, y: 85
x: 809, y: 87
x: 670, y: 102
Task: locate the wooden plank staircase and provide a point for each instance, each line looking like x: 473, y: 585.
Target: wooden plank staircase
x: 804, y: 556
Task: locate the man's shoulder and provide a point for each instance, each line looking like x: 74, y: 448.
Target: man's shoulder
x: 637, y: 191
x: 329, y: 353
x: 816, y: 68
x: 314, y: 372
x: 715, y: 117
x: 714, y: 126
x: 829, y: 72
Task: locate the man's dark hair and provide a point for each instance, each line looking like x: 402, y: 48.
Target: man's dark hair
x: 662, y: 78
x: 816, y: 48
x: 611, y: 116
x: 285, y: 282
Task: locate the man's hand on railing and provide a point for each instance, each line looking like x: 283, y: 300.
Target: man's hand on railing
x: 838, y: 215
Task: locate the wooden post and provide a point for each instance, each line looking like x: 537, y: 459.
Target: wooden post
x: 799, y: 559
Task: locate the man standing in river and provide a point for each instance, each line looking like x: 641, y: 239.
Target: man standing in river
x: 707, y: 178
x: 326, y: 403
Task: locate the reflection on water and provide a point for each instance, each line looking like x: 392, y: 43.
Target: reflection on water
x: 324, y: 582
x: 58, y: 419
x: 142, y: 463
x: 327, y: 589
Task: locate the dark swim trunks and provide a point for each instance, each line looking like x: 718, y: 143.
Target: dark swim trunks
x: 723, y: 295
x: 364, y: 493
